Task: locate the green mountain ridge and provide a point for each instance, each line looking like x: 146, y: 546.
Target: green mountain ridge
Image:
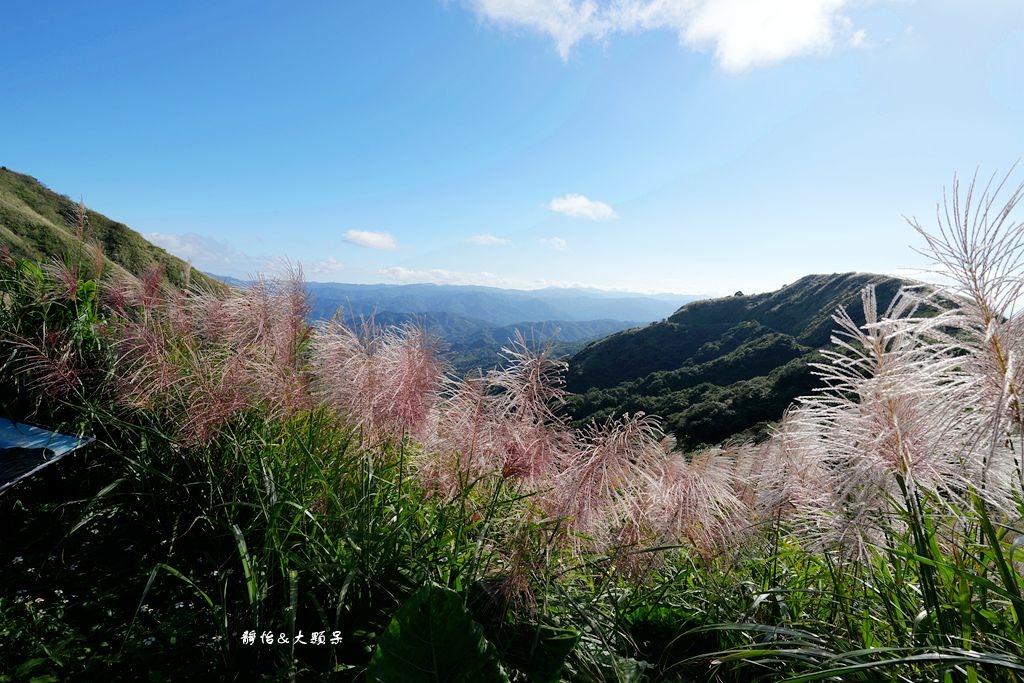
x: 36, y: 224
x: 722, y: 367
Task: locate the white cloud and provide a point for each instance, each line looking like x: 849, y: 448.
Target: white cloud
x: 744, y: 34
x: 327, y: 267
x: 487, y: 240
x: 373, y: 240
x: 578, y: 206
x: 751, y: 33
x: 556, y: 243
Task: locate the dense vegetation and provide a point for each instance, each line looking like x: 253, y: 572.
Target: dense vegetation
x: 337, y: 493
x: 719, y: 367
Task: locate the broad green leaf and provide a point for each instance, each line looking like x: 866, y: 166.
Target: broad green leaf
x: 433, y: 637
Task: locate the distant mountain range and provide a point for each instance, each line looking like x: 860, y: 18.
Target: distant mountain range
x: 720, y: 367
x: 471, y: 344
x: 476, y: 322
x: 490, y: 304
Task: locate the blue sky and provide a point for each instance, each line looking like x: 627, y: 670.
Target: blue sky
x: 691, y: 146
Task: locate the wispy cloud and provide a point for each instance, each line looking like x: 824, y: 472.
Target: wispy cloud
x: 328, y: 267
x: 566, y: 21
x: 487, y: 240
x: 208, y: 254
x: 556, y: 243
x: 744, y: 34
x: 373, y: 240
x: 440, y: 276
x: 577, y: 206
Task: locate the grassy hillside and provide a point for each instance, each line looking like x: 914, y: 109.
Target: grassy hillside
x: 37, y: 223
x: 718, y: 367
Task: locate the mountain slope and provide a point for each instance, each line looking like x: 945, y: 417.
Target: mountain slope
x: 36, y: 224
x: 719, y: 367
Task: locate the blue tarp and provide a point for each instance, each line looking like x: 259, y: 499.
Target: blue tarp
x: 24, y: 450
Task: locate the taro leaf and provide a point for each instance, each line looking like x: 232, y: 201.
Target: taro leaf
x: 612, y: 667
x: 538, y: 651
x: 625, y: 670
x: 433, y: 637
